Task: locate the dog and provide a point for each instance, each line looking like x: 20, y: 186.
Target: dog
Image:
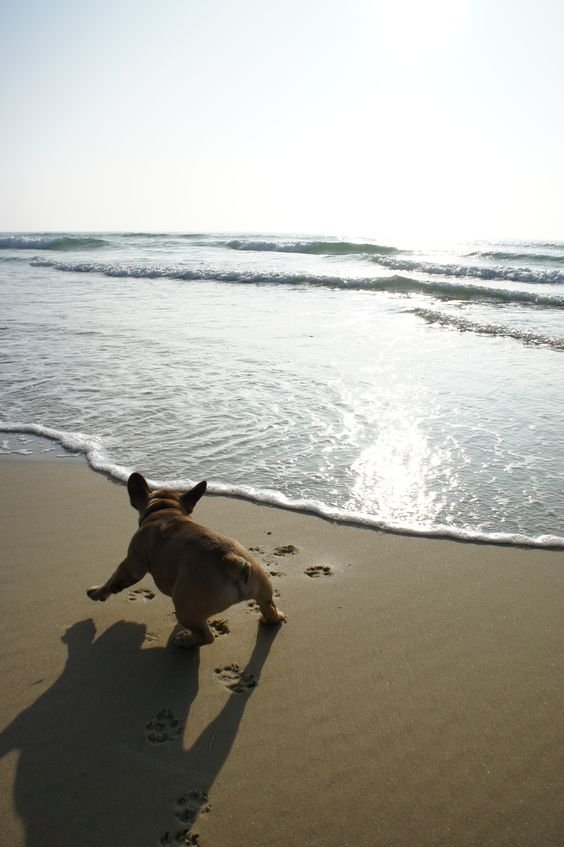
x: 204, y: 572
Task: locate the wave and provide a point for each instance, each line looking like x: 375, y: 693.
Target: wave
x: 50, y: 242
x: 392, y: 284
x: 320, y: 248
x: 181, y: 235
x: 93, y: 449
x: 465, y: 325
x: 501, y: 256
x: 143, y: 234
x: 475, y: 271
x: 13, y: 259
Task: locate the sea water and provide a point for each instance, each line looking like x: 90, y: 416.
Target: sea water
x: 409, y: 387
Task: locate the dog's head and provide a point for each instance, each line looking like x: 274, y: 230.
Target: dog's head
x: 146, y: 501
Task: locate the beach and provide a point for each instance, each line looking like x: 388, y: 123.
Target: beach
x: 309, y: 263
x: 414, y: 696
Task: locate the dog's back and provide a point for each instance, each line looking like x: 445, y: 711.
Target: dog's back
x: 203, y: 571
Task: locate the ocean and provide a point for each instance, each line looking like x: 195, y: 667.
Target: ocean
x: 413, y: 388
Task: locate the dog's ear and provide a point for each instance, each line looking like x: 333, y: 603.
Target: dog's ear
x: 191, y: 497
x: 138, y: 491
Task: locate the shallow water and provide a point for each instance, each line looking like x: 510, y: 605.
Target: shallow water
x: 409, y: 389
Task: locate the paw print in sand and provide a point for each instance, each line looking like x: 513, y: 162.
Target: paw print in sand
x: 285, y: 550
x: 236, y: 680
x: 315, y: 571
x: 141, y: 594
x: 190, y: 805
x: 187, y: 809
x: 162, y: 727
x: 219, y: 626
x: 182, y: 838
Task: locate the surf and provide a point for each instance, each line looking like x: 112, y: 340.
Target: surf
x: 97, y: 456
x: 392, y: 284
x: 482, y: 272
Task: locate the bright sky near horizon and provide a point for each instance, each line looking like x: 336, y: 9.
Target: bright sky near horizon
x: 399, y: 119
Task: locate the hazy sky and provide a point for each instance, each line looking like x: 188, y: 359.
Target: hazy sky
x: 404, y: 118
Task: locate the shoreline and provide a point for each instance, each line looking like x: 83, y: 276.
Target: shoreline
x: 76, y: 445
x: 414, y: 696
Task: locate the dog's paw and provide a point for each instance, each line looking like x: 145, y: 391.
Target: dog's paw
x: 189, y: 638
x: 97, y: 592
x: 186, y: 639
x: 279, y: 617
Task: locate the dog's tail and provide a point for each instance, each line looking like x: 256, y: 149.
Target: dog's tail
x: 238, y: 569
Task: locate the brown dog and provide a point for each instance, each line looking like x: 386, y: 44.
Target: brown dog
x: 204, y: 572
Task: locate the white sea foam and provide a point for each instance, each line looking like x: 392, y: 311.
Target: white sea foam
x: 527, y: 336
x: 93, y: 449
x: 77, y: 442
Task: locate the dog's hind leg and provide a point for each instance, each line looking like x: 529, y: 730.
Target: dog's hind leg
x: 263, y: 595
x: 270, y: 613
x: 253, y: 581
x: 194, y: 635
x: 130, y: 571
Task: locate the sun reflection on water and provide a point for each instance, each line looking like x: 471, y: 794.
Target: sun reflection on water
x: 400, y: 472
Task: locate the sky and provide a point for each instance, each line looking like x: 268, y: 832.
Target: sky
x: 409, y: 119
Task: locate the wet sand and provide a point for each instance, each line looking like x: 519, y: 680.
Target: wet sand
x: 414, y: 697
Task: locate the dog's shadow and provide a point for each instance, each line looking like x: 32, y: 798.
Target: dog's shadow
x: 101, y: 758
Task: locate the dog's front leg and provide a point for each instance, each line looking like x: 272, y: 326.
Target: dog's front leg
x: 130, y: 571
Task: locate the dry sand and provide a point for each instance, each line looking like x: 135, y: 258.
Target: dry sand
x: 413, y: 698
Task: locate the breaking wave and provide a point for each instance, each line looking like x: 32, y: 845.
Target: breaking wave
x: 392, y: 284
x: 475, y: 271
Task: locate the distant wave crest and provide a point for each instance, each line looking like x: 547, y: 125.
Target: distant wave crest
x: 510, y: 256
x: 393, y: 284
x: 320, y: 248
x: 50, y: 242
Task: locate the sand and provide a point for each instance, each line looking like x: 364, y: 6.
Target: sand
x: 414, y: 697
